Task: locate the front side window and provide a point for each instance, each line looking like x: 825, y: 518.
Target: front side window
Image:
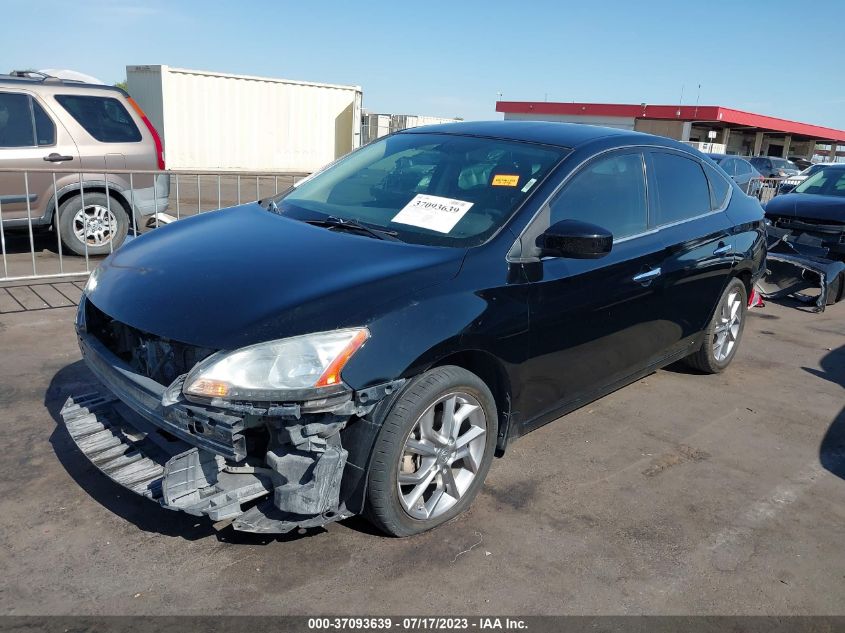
x: 435, y: 189
x: 45, y: 129
x: 610, y: 193
x: 104, y: 118
x: 682, y: 190
x: 17, y: 128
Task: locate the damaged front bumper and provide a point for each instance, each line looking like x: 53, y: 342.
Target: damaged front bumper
x: 202, y: 459
x: 797, y: 263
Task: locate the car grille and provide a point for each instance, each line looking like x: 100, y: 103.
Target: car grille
x: 160, y: 359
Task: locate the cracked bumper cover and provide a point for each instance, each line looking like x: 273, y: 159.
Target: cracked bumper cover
x: 193, y: 458
x: 797, y: 263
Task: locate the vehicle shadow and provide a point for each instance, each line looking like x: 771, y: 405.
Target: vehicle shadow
x: 146, y: 515
x: 17, y: 241
x: 832, y: 448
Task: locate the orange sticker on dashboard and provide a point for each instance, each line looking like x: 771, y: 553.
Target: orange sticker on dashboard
x: 505, y: 180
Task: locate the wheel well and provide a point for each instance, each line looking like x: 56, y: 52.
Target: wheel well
x: 67, y: 195
x: 492, y: 372
x: 745, y: 278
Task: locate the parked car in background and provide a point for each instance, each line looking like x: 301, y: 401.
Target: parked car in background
x: 48, y: 123
x: 463, y: 284
x: 809, y: 226
x: 801, y: 163
x: 793, y: 181
x: 742, y: 172
x: 774, y: 167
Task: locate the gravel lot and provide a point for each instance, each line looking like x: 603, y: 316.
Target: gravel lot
x: 679, y: 494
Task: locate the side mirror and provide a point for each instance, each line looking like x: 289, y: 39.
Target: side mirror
x: 575, y: 240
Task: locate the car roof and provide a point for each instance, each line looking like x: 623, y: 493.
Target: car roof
x: 31, y: 82
x: 720, y: 156
x: 568, y: 135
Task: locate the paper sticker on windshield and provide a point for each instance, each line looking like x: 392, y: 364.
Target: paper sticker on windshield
x: 528, y: 185
x: 505, y: 180
x: 432, y: 212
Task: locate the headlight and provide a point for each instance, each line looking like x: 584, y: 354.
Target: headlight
x: 268, y: 370
x: 92, y: 281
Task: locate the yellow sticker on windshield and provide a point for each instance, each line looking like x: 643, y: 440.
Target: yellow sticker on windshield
x: 505, y: 180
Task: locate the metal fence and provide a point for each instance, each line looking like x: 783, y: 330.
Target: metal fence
x: 97, y: 211
x: 764, y: 189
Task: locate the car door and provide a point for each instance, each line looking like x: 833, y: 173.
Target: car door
x: 688, y: 207
x: 594, y: 322
x: 29, y: 140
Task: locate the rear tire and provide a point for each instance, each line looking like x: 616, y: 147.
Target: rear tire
x: 103, y: 224
x: 425, y: 470
x: 724, y: 332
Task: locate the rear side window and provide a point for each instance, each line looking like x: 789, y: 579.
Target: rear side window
x: 609, y: 193
x: 719, y: 186
x: 104, y: 118
x: 682, y: 190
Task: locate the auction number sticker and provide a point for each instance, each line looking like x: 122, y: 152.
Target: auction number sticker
x: 505, y: 180
x: 432, y: 212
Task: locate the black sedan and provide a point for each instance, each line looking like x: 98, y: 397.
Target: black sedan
x: 742, y: 172
x: 367, y: 341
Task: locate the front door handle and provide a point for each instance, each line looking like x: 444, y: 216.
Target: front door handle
x: 724, y: 249
x: 57, y: 158
x: 647, y: 276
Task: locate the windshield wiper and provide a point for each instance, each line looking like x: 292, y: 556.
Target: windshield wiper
x: 332, y: 222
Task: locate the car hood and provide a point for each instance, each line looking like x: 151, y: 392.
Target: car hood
x: 808, y: 206
x: 244, y: 275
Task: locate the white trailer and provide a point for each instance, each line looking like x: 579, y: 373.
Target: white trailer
x: 216, y: 121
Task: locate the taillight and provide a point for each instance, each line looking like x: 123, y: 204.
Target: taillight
x: 156, y: 137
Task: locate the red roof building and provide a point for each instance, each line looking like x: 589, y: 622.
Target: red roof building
x: 732, y: 131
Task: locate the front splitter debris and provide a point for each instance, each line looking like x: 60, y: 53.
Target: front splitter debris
x: 154, y: 464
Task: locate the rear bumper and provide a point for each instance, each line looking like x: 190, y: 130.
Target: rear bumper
x: 151, y: 200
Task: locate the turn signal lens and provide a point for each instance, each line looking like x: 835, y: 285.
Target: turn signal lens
x: 210, y: 388
x: 332, y: 374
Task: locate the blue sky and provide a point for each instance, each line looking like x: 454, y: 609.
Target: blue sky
x: 453, y: 58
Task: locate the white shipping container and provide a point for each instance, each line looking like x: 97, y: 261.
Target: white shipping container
x: 215, y: 121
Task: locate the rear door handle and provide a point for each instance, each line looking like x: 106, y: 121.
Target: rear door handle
x: 724, y: 249
x: 647, y: 276
x: 56, y: 158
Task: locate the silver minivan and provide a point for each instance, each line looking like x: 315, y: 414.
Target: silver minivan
x: 61, y: 143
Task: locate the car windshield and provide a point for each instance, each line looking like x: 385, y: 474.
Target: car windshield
x: 435, y: 189
x: 829, y: 181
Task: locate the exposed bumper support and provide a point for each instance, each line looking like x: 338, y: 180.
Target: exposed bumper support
x: 795, y: 266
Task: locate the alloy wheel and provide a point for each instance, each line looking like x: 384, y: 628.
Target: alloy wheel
x: 442, y: 455
x: 727, y: 328
x: 95, y: 225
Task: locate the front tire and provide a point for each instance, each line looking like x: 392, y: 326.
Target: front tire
x: 432, y: 453
x: 98, y: 229
x: 723, y: 333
